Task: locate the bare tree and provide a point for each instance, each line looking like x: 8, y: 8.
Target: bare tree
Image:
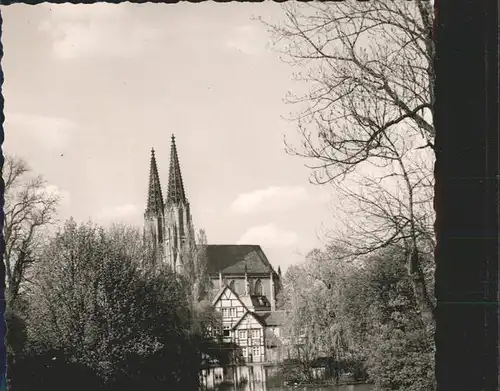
x: 369, y: 110
x: 29, y: 209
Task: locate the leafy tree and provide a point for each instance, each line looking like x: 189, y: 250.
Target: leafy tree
x: 366, y: 122
x: 381, y: 312
x: 359, y: 317
x: 95, y: 304
x: 312, y: 299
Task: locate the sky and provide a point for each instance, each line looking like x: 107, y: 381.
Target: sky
x: 90, y: 89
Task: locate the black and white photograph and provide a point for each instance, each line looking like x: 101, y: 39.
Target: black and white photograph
x: 225, y: 196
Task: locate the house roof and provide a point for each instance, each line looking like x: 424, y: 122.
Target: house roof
x: 273, y: 318
x: 222, y: 290
x: 249, y: 313
x: 232, y: 259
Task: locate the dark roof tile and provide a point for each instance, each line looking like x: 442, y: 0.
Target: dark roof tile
x: 232, y: 258
x: 274, y: 318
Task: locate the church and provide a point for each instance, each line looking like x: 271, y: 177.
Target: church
x: 245, y: 286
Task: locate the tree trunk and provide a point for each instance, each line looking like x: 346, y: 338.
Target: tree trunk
x: 424, y: 303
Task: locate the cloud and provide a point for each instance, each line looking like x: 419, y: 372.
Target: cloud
x: 268, y: 235
x: 63, y: 195
x: 247, y: 39
x: 96, y: 29
x: 273, y: 198
x: 118, y: 213
x: 50, y: 133
x: 53, y: 190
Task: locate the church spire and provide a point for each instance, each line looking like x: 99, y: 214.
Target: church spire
x: 155, y: 198
x: 175, y: 191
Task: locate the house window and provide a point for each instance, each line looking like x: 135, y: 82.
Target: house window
x: 244, y: 351
x: 255, y: 350
x: 225, y: 312
x: 226, y: 332
x: 258, y: 288
x: 242, y: 334
x: 255, y: 333
x: 232, y: 312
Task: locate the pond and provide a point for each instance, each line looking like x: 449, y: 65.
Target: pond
x: 263, y: 387
x: 359, y: 387
x: 257, y: 377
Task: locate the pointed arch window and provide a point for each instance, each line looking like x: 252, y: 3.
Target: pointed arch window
x: 160, y: 230
x: 258, y: 288
x: 231, y: 285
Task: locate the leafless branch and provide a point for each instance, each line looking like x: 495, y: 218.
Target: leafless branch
x: 29, y: 209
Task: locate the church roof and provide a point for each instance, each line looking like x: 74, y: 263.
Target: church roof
x: 175, y: 190
x: 232, y: 259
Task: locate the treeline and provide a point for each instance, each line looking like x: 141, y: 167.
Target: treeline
x: 359, y: 317
x: 96, y: 314
x: 89, y: 308
x: 365, y: 124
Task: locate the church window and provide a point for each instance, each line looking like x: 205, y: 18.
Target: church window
x: 258, y: 288
x: 160, y: 231
x: 231, y: 285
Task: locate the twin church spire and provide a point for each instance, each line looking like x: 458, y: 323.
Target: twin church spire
x: 168, y: 223
x: 175, y: 189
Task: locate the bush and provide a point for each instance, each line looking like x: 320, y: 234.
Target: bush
x: 51, y: 370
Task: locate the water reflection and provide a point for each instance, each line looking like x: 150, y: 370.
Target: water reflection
x: 259, y: 378
x: 263, y: 387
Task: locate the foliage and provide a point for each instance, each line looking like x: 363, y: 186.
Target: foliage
x: 313, y: 301
x: 16, y: 336
x: 93, y: 304
x: 381, y: 312
x: 359, y: 318
x: 52, y: 370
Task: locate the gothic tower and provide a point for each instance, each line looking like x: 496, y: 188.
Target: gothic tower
x: 179, y: 231
x: 154, y: 217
